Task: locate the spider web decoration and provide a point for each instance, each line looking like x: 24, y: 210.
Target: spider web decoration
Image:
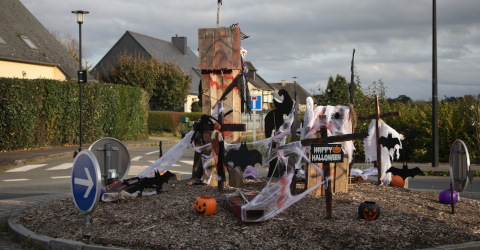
x: 168, y: 159
x: 370, y: 145
x: 337, y: 122
x: 276, y: 196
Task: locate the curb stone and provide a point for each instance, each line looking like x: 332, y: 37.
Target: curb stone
x: 45, y: 242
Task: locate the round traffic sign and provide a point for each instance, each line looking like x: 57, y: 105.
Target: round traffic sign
x: 459, y: 165
x: 113, y: 158
x: 86, y: 182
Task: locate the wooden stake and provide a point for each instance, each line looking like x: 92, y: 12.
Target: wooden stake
x: 377, y: 135
x: 326, y: 174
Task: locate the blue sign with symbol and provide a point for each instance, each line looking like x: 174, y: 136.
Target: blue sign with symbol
x: 86, y: 182
x: 256, y: 102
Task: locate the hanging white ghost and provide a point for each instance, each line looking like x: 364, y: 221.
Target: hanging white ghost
x: 390, y: 143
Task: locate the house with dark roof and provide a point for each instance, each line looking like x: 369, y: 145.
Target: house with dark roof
x: 292, y: 88
x: 176, y: 51
x: 28, y: 50
x: 258, y: 86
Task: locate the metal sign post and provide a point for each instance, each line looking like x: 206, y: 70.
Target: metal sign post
x: 86, y: 183
x: 256, y: 104
x: 459, y: 169
x: 113, y: 158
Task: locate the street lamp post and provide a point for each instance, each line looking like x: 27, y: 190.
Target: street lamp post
x: 80, y: 14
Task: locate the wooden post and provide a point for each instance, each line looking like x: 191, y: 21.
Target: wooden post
x: 377, y: 135
x: 377, y: 117
x: 220, y: 61
x: 326, y: 174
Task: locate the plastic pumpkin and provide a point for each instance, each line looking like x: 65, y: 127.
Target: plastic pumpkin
x: 205, y: 205
x: 337, y: 149
x: 445, y: 197
x: 397, y: 181
x: 369, y: 210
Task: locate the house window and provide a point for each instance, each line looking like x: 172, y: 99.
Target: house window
x: 2, y: 41
x: 28, y: 42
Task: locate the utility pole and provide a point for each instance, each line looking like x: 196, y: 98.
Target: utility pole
x: 434, y: 89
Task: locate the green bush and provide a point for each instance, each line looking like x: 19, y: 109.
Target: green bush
x: 165, y: 121
x: 20, y: 108
x: 44, y: 112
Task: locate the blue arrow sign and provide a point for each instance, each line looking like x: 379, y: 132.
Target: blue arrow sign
x: 256, y: 102
x: 86, y: 182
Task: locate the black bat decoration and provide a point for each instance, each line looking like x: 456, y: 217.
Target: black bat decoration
x: 243, y: 157
x: 389, y: 142
x: 405, y: 172
x: 135, y: 184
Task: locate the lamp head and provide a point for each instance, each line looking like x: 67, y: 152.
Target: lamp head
x: 80, y: 15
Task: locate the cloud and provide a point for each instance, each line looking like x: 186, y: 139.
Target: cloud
x: 308, y: 39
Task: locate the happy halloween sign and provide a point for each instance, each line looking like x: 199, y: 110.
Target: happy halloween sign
x: 324, y: 153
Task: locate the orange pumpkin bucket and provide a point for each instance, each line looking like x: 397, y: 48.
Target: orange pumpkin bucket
x: 205, y: 205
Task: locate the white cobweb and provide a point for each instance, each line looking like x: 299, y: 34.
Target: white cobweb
x: 276, y: 196
x: 370, y: 145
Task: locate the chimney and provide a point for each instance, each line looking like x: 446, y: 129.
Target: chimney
x: 283, y: 84
x: 180, y: 43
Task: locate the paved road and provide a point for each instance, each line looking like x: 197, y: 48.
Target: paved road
x: 54, y: 177
x: 437, y: 184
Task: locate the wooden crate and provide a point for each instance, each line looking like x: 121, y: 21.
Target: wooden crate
x: 234, y: 205
x: 219, y: 48
x: 339, y: 173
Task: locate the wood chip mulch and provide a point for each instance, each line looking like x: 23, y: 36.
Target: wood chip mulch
x: 408, y: 220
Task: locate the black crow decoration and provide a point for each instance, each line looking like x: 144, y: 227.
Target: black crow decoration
x: 273, y: 121
x: 274, y: 118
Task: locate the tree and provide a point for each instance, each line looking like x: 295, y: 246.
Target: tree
x: 336, y: 92
x: 71, y: 44
x: 196, y: 107
x: 401, y: 98
x: 164, y: 81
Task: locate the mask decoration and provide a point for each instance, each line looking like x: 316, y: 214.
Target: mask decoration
x: 205, y: 205
x: 369, y: 210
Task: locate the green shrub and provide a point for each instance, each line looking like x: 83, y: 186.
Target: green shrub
x: 165, y: 121
x: 43, y: 112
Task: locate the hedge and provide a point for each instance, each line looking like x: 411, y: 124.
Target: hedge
x: 44, y: 112
x: 164, y: 121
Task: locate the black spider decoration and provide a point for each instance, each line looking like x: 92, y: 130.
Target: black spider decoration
x: 337, y: 115
x: 202, y: 124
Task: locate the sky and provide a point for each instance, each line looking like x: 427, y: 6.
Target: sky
x: 309, y: 39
